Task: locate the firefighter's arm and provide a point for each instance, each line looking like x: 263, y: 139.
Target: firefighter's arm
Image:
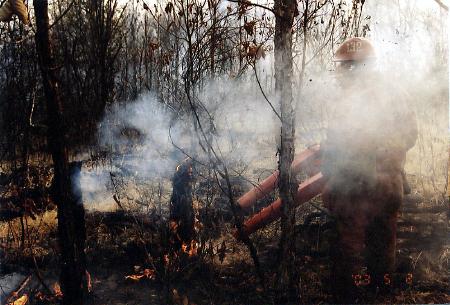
x: 410, y: 130
x: 405, y: 121
x: 405, y: 126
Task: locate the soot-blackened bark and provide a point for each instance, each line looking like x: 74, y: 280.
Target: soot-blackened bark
x: 71, y: 225
x: 181, y: 205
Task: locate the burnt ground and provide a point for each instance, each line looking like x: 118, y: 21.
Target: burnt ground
x: 219, y: 270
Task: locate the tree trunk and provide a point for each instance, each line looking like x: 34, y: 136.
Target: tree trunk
x: 71, y: 226
x: 285, y: 11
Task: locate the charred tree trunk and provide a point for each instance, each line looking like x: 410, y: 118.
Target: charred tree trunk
x: 71, y: 226
x: 285, y: 11
x: 181, y: 204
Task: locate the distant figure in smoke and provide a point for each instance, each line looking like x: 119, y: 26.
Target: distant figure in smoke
x: 363, y: 161
x: 182, y: 217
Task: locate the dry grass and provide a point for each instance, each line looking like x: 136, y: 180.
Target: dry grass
x: 38, y: 239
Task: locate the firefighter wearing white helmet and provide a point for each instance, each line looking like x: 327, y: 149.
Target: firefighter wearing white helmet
x: 363, y: 159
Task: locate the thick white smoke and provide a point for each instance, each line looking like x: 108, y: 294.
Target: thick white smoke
x: 411, y: 43
x: 151, y: 139
x: 410, y: 39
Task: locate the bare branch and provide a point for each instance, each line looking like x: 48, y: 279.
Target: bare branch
x: 442, y: 4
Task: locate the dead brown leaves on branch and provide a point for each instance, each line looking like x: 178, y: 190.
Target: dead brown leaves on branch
x: 152, y: 47
x: 252, y: 51
x: 249, y: 27
x: 243, y: 7
x: 169, y: 8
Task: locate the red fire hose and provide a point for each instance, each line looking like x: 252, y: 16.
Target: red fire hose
x: 308, y: 161
x: 306, y: 191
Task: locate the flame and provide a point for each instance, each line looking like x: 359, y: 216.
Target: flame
x: 147, y: 273
x: 183, y: 162
x: 89, y: 281
x: 166, y: 259
x: 134, y: 277
x: 46, y: 298
x: 193, y: 249
x: 57, y: 289
x: 20, y: 301
x: 173, y: 225
x: 184, y: 247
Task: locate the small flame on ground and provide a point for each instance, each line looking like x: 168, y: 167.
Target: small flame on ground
x: 193, y: 249
x: 89, y: 281
x: 57, y: 290
x: 166, y: 259
x: 147, y: 273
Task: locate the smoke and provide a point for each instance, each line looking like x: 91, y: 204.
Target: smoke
x: 150, y: 138
x: 410, y: 39
x: 412, y: 42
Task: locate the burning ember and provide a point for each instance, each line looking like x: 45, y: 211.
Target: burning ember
x: 51, y: 298
x: 191, y: 249
x: 145, y: 274
x: 57, y: 290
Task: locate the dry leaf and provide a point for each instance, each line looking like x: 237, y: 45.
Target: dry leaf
x: 169, y: 7
x: 153, y: 46
x: 249, y: 27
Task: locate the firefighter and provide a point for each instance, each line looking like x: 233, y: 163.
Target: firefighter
x: 363, y: 157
